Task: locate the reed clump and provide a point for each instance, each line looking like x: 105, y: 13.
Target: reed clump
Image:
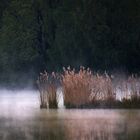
x: 76, y: 86
x: 102, y: 88
x: 131, y: 91
x: 84, y: 89
x: 47, y: 84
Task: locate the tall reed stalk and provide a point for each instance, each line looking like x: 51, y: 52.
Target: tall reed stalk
x: 83, y: 88
x: 76, y: 86
x: 48, y: 90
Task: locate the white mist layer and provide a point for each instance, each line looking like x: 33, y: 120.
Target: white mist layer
x: 24, y: 99
x: 25, y: 102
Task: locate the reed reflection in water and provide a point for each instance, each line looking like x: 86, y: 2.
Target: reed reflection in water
x: 22, y: 119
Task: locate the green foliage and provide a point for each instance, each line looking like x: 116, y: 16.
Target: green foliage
x: 39, y: 34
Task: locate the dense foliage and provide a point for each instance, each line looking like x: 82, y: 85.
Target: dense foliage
x: 40, y: 34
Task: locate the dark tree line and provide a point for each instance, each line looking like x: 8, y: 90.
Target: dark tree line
x: 50, y: 34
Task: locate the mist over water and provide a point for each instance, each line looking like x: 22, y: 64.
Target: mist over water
x: 22, y: 119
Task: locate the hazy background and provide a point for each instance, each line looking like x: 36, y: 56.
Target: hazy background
x: 48, y: 34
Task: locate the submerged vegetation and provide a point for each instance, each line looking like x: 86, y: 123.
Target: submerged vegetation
x: 85, y: 89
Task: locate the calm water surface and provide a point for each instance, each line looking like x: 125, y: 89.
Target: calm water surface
x: 21, y: 119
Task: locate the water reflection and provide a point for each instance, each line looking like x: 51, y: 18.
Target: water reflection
x: 103, y: 125
x: 21, y: 119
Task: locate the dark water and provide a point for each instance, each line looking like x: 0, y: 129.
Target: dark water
x: 21, y: 119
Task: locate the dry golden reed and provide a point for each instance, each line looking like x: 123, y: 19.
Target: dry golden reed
x: 83, y: 87
x: 47, y: 88
x: 130, y: 88
x: 76, y: 86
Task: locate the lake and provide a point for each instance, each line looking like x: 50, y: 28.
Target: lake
x: 22, y: 119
